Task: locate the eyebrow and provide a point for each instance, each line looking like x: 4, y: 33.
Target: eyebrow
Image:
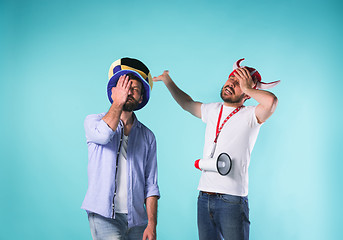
x: 136, y: 87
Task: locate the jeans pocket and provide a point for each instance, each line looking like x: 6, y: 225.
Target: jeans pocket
x: 231, y: 199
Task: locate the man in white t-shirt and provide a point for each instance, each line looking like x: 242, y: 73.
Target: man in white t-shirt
x: 231, y: 128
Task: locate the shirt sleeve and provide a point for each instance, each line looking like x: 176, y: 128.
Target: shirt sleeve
x: 252, y: 120
x: 97, y: 131
x: 204, y: 112
x: 151, y: 186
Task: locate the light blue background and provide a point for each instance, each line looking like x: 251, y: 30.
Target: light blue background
x: 54, y: 58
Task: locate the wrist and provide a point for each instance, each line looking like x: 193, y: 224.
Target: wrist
x: 167, y: 80
x: 246, y: 90
x: 117, y: 105
x: 152, y: 224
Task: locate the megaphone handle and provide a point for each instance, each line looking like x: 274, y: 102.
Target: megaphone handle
x: 213, y: 149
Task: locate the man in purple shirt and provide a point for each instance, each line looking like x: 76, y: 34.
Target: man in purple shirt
x: 121, y: 200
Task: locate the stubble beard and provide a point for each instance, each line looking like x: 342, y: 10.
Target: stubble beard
x: 231, y: 99
x: 130, y: 106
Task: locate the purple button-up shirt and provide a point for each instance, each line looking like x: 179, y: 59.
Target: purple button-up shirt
x: 103, y: 146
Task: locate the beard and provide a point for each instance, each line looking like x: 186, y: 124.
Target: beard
x: 130, y: 105
x: 231, y: 98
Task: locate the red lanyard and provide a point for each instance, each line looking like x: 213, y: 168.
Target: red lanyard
x: 218, y: 130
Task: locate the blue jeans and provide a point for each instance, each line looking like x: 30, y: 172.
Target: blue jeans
x: 223, y: 216
x: 113, y: 229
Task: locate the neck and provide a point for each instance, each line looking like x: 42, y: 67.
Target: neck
x: 235, y: 105
x: 126, y: 117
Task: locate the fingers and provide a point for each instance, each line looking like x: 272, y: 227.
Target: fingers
x: 124, y: 82
x: 127, y: 83
x: 161, y: 77
x: 150, y: 235
x: 156, y: 79
x: 244, y: 72
x: 145, y: 236
x: 240, y: 73
x: 121, y: 80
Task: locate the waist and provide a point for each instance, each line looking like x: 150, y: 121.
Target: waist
x: 202, y: 193
x: 211, y: 193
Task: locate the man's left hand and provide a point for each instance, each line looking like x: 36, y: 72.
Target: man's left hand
x: 244, y: 78
x: 149, y: 233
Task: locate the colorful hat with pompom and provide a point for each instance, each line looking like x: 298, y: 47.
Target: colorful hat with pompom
x: 127, y: 65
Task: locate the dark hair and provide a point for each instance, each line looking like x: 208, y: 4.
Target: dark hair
x: 134, y: 77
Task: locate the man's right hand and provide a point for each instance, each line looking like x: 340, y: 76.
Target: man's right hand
x: 121, y: 91
x: 163, y: 77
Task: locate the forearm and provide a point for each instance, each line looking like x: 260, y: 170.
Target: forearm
x: 112, y: 117
x: 182, y: 98
x: 266, y: 99
x: 151, y: 208
x: 267, y: 103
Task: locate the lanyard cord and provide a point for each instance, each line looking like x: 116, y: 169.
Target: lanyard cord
x: 218, y: 130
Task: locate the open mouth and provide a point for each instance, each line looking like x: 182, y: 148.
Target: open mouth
x: 229, y: 91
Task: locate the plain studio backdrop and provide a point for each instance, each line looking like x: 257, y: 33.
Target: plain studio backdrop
x: 54, y: 59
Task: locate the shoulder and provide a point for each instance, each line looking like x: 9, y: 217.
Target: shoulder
x: 146, y: 132
x: 206, y: 108
x: 249, y: 108
x: 209, y: 109
x: 211, y: 105
x: 248, y: 112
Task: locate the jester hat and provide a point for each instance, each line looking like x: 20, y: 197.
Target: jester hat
x: 130, y: 65
x: 254, y: 73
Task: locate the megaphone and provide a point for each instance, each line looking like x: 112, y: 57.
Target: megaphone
x: 222, y: 164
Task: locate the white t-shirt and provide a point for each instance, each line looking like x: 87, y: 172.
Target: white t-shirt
x: 121, y: 196
x: 237, y: 139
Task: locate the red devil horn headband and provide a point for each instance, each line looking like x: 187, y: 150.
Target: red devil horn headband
x: 253, y: 71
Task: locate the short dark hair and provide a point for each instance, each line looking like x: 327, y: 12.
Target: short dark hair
x: 134, y: 77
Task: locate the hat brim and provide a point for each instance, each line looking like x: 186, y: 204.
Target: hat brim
x: 113, y: 82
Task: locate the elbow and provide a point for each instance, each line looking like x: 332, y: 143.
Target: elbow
x: 97, y: 132
x: 187, y: 105
x: 274, y: 103
x: 100, y: 139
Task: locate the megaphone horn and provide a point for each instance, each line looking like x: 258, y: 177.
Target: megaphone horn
x: 222, y: 164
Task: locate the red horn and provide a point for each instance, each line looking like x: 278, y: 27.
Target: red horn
x: 237, y: 64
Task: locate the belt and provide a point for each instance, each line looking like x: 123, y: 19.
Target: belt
x: 212, y: 193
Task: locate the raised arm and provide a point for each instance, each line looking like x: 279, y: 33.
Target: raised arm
x: 182, y: 98
x: 119, y: 97
x: 267, y: 100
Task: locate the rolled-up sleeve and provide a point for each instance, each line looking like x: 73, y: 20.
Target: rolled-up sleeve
x: 151, y: 186
x: 97, y: 131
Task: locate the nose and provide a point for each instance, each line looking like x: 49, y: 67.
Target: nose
x: 130, y: 90
x: 230, y: 82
